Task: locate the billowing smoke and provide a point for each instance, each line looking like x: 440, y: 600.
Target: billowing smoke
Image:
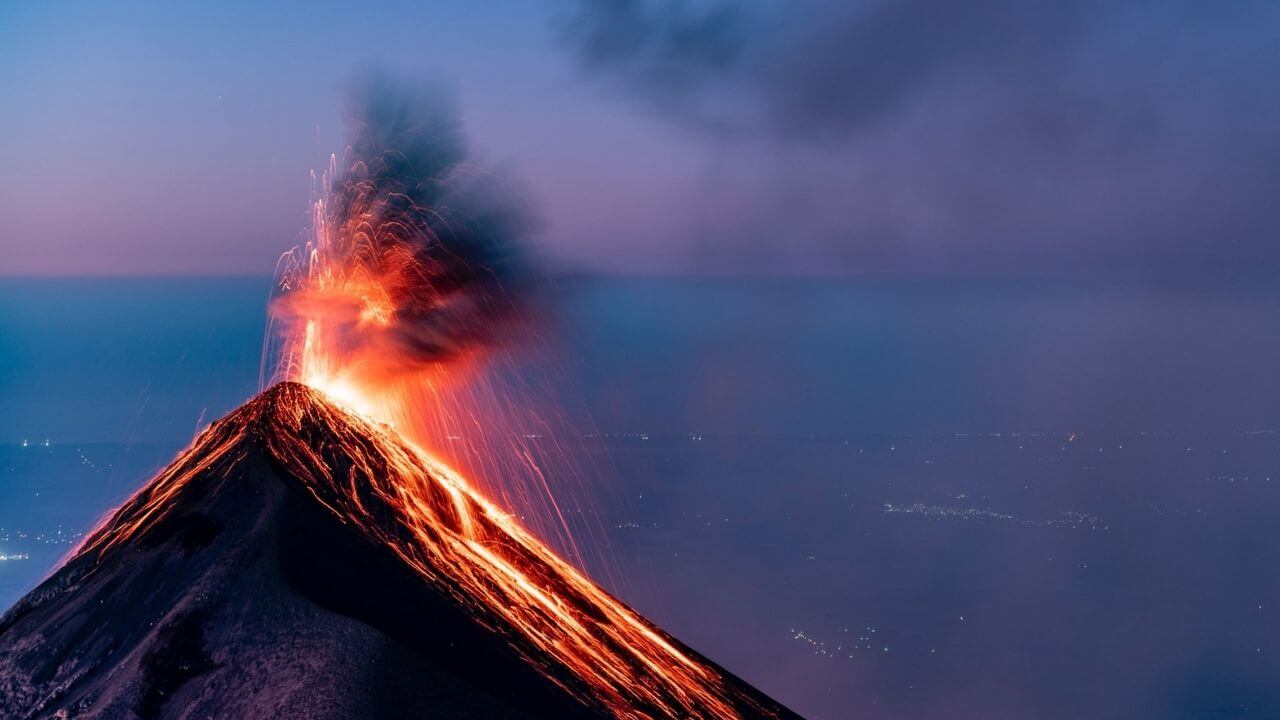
x: 1132, y: 138
x: 415, y: 258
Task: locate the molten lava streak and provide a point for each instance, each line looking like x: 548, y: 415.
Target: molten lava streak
x: 461, y: 541
x: 401, y: 498
x: 400, y: 289
x: 457, y: 538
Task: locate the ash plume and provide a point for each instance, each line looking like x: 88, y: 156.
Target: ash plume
x: 416, y: 255
x: 1101, y: 140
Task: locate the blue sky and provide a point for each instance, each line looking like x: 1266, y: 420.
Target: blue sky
x: 1125, y: 139
x: 141, y: 139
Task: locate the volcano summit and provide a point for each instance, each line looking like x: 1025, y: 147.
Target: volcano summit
x: 298, y: 561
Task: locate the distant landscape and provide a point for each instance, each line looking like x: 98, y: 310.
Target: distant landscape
x: 915, y: 496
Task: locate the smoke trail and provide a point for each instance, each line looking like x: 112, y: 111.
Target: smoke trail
x: 400, y: 305
x: 415, y: 256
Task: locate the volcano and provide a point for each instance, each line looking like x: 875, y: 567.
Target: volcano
x: 299, y: 561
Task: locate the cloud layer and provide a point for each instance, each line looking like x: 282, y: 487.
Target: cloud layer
x: 979, y: 135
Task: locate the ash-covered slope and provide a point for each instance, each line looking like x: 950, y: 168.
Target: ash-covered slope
x: 297, y: 562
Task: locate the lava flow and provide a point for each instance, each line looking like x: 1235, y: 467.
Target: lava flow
x: 201, y: 596
x: 400, y: 498
x: 408, y: 277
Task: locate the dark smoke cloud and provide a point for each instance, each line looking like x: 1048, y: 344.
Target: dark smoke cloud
x: 440, y: 238
x: 831, y: 68
x: 672, y: 54
x: 811, y: 66
x: 997, y: 134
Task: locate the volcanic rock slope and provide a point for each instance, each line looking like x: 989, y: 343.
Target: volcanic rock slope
x: 236, y: 586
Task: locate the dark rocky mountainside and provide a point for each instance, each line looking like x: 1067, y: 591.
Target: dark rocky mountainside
x: 230, y: 587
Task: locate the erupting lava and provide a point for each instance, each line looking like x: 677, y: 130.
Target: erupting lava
x: 207, y: 593
x: 399, y: 497
x: 406, y: 279
x: 411, y: 270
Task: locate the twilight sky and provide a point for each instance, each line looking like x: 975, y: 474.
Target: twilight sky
x: 1125, y: 139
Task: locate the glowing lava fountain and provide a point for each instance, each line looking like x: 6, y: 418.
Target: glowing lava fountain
x: 407, y: 279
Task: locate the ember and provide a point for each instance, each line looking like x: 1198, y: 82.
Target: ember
x: 408, y: 279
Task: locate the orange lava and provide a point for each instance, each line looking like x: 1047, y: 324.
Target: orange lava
x: 338, y: 323
x: 401, y: 498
